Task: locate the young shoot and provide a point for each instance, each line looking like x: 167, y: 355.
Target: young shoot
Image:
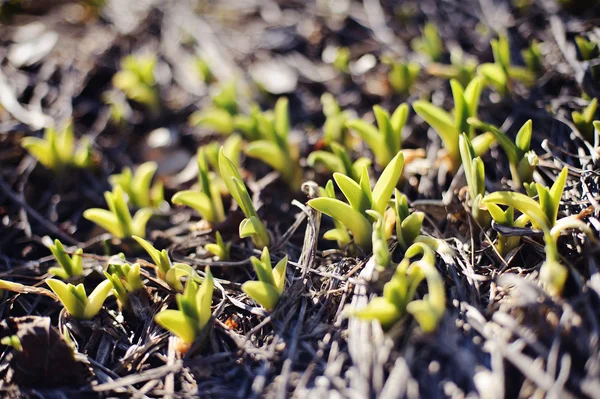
x: 461, y: 68
x: 117, y: 220
x: 76, y: 301
x: 475, y: 176
x: 584, y: 120
x: 385, y: 140
x: 334, y: 129
x: 430, y: 43
x: 338, y: 161
x: 402, y: 75
x: 136, y: 80
x: 70, y: 266
x: 170, y: 273
x: 13, y: 341
x: 271, y: 281
x: 125, y: 279
x: 408, y: 225
x: 505, y: 244
x: 361, y: 199
x: 275, y: 149
x: 522, y: 159
x: 207, y: 202
x: 220, y: 249
x: 588, y: 49
x: 194, y: 311
x: 58, y: 150
x: 138, y: 186
x: 221, y: 114
x: 339, y: 233
x: 252, y: 226
x: 466, y: 102
x: 381, y: 250
x: 532, y: 56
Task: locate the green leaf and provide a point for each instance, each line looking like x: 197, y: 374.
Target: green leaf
x: 368, y: 133
x: 269, y: 153
x: 353, y: 193
x: 139, y: 221
x: 523, y: 140
x: 238, y: 191
x: 281, y: 119
x: 140, y: 186
x: 381, y: 310
x: 279, y: 274
x: 495, y: 75
x: 441, y: 122
x: 382, y: 192
x: 204, y: 299
x: 97, y: 298
x: 461, y: 108
x: 398, y: 120
x: 264, y: 294
x: 178, y: 323
x: 521, y: 202
x: 68, y: 299
x: 40, y: 149
x: 472, y: 95
x: 329, y: 160
x: 105, y: 219
x: 198, y: 201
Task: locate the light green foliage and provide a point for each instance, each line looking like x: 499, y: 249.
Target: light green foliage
x: 532, y: 56
x: 342, y: 59
x: 12, y: 341
x: 543, y: 215
x: 449, y: 128
x: 70, y: 266
x: 58, y: 150
x: 381, y: 250
x: 220, y: 115
x: 274, y: 147
x: 402, y: 75
x: 220, y: 249
x: 271, y: 281
x: 194, y: 310
x: 136, y: 80
x: 203, y: 70
x: 138, y: 186
x: 506, y: 218
x: 334, y: 128
x: 117, y: 219
x: 430, y: 43
x: 408, y: 225
x: 461, y: 68
x: 339, y: 233
x: 475, y: 175
x: 252, y: 226
x: 399, y: 292
x: 521, y: 158
x: 76, y: 301
x: 207, y: 202
x: 232, y: 147
x: 583, y: 120
x: 361, y: 198
x: 338, y: 161
x: 386, y: 140
x: 588, y: 49
x: 125, y: 279
x: 500, y: 73
x: 169, y: 272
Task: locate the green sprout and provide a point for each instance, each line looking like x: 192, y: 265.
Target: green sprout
x: 522, y: 159
x: 207, y: 202
x: 361, y: 199
x: 500, y: 73
x: 338, y: 161
x: 194, y: 310
x: 588, y: 49
x: 461, y: 68
x: 70, y: 266
x: 117, y: 219
x: 408, y: 225
x: 271, y: 281
x: 232, y: 147
x: 203, y: 70
x: 475, y: 175
x: 430, y: 43
x: 543, y: 216
x: 219, y: 249
x: 169, y: 272
x: 138, y: 187
x: 386, y: 140
x: 532, y: 56
x: 341, y: 61
x: 12, y: 341
x: 275, y: 149
x: 381, y: 251
x: 583, y: 120
x: 58, y: 150
x: 402, y: 75
x: 125, y: 280
x: 334, y: 129
x: 339, y: 233
x: 252, y: 226
x: 221, y: 114
x: 399, y: 292
x: 136, y: 80
x: 77, y: 302
x: 466, y: 102
x: 506, y: 218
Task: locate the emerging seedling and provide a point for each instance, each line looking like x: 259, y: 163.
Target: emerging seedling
x: 521, y: 157
x: 219, y: 249
x: 475, y: 175
x: 430, y: 43
x: 532, y: 56
x: 360, y: 197
x: 506, y: 218
x: 275, y: 150
x: 271, y: 282
x: 12, y: 341
x: 334, y: 129
x: 207, y: 202
x: 76, y: 301
x: 219, y: 116
x: 381, y: 250
x: 252, y: 226
x: 125, y: 279
x: 194, y: 311
x: 408, y: 225
x: 117, y: 220
x: 588, y: 49
x: 466, y: 102
x: 461, y: 68
x: 70, y: 266
x: 58, y: 150
x: 232, y: 147
x: 165, y: 269
x: 136, y: 80
x: 138, y: 187
x: 338, y: 161
x: 402, y: 75
x: 341, y: 61
x: 386, y: 140
x: 583, y: 120
x: 339, y: 233
x: 398, y: 293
